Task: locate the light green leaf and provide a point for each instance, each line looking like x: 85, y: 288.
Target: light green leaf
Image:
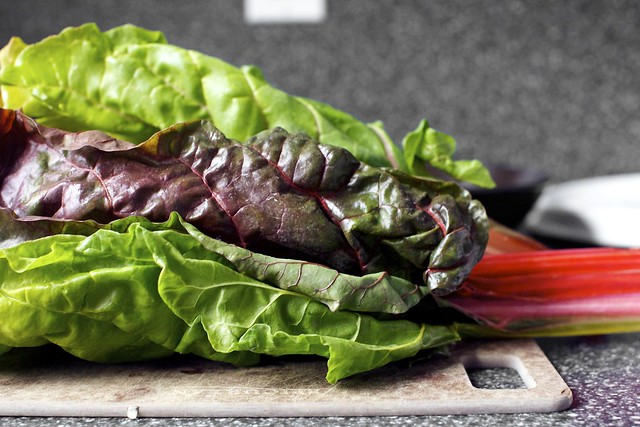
x: 137, y: 290
x: 241, y: 314
x: 377, y: 293
x: 129, y: 83
x: 437, y: 149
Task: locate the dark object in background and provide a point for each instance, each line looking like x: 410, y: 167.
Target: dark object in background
x: 515, y: 193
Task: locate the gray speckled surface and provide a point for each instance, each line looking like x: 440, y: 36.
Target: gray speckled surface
x: 552, y: 85
x: 545, y: 84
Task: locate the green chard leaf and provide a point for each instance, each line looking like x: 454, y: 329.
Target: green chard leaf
x: 129, y: 83
x: 175, y: 295
x: 436, y: 149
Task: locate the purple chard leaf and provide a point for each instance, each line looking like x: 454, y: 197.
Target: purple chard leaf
x: 280, y: 195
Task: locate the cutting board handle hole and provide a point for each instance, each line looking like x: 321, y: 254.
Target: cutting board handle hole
x: 495, y: 378
x: 497, y: 372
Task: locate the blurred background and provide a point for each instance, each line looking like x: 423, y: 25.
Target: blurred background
x: 549, y: 85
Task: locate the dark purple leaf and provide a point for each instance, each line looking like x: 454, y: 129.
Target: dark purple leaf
x: 281, y: 194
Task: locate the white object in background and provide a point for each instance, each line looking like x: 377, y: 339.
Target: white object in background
x: 284, y: 11
x: 604, y: 211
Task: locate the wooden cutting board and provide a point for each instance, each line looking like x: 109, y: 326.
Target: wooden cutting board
x: 47, y: 382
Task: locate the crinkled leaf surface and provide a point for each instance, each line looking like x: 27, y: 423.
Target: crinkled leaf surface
x: 378, y: 292
x: 436, y: 149
x: 176, y: 295
x: 130, y: 83
x: 16, y: 231
x: 280, y: 194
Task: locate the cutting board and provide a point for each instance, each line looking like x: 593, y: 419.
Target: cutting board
x: 47, y: 382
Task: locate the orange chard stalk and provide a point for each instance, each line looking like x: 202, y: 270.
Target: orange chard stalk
x: 503, y: 239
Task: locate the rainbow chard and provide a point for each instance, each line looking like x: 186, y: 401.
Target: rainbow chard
x: 279, y: 245
x: 186, y: 240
